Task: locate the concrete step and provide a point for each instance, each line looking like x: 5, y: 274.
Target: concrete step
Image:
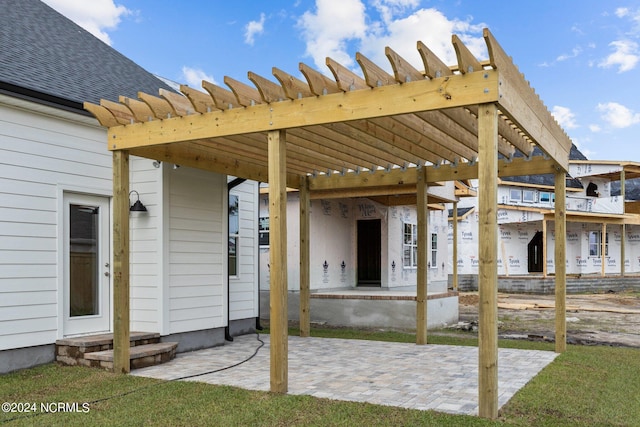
x: 140, y: 356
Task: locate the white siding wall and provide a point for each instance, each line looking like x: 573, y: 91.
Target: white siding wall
x: 243, y: 289
x: 197, y: 250
x: 146, y: 247
x: 41, y: 156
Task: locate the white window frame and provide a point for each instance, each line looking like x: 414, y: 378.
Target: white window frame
x: 434, y: 250
x: 410, y: 244
x: 545, y: 197
x: 517, y: 193
x: 528, y: 196
x: 234, y: 236
x: 595, y: 244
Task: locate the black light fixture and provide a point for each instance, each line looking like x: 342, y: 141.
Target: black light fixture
x: 137, y: 206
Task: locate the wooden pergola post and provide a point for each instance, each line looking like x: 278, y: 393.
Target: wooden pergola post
x: 121, y: 331
x: 545, y: 272
x: 560, y: 260
x: 603, y: 249
x: 277, y: 158
x: 421, y: 280
x: 488, y: 255
x: 305, y: 301
x: 623, y: 227
x: 455, y: 246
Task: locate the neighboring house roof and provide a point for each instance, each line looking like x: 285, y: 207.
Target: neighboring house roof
x: 548, y: 179
x: 462, y: 212
x: 49, y: 59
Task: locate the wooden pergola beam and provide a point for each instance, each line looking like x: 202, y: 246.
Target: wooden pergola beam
x: 332, y: 108
x: 524, y: 108
x: 398, y: 176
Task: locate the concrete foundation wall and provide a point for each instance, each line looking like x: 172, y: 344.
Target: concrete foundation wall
x: 26, y: 357
x: 370, y: 313
x: 540, y: 285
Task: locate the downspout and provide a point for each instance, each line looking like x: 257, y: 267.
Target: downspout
x: 230, y: 186
x: 258, y: 325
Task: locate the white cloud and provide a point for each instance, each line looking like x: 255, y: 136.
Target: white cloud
x: 195, y: 76
x: 328, y: 29
x: 595, y: 128
x: 254, y: 28
x: 617, y: 115
x: 625, y: 56
x: 95, y: 16
x: 337, y: 32
x: 388, y: 9
x: 621, y: 12
x: 574, y: 53
x: 565, y: 117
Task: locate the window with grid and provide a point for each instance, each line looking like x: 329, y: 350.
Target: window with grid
x: 595, y: 243
x: 234, y: 234
x: 410, y: 246
x: 434, y: 250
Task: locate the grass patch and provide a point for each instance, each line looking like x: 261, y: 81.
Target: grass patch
x: 583, y: 386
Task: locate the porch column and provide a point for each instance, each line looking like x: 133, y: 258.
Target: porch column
x: 488, y: 256
x: 560, y: 260
x: 120, y: 270
x: 278, y: 260
x: 421, y: 279
x: 455, y: 246
x: 305, y: 302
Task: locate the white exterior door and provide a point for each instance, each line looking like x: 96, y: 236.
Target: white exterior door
x: 87, y: 307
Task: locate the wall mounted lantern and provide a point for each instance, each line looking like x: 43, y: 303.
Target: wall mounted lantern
x: 137, y: 206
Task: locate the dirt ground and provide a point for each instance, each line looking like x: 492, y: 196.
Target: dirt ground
x: 606, y: 319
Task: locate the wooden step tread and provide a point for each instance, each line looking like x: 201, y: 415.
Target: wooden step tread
x: 136, y: 352
x: 104, y: 339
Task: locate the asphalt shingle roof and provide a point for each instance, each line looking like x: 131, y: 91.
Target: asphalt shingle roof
x: 45, y: 56
x: 548, y: 179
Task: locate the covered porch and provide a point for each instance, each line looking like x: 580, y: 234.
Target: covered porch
x: 380, y: 134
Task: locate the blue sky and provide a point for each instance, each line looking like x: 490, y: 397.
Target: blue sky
x: 581, y: 57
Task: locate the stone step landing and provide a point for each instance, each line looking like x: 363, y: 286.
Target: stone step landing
x: 97, y: 350
x: 140, y: 356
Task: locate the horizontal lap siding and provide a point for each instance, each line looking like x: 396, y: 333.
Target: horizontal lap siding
x: 196, y: 257
x: 243, y: 289
x: 146, y: 247
x: 38, y: 154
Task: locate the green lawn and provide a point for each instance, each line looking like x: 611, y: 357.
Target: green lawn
x: 584, y: 386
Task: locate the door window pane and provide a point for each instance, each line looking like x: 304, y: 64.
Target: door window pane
x: 83, y: 256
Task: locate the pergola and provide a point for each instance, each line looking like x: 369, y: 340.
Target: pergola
x: 351, y: 136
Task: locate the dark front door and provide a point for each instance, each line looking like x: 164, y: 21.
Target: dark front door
x: 535, y: 253
x: 369, y: 252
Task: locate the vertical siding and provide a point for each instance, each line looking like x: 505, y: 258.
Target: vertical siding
x: 197, y: 255
x: 39, y: 155
x: 243, y: 289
